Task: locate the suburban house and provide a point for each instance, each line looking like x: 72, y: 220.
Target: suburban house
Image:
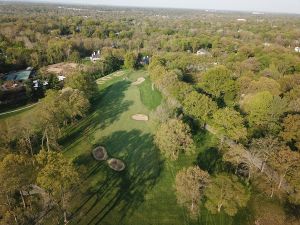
x: 95, y: 56
x: 297, y: 49
x: 21, y: 75
x: 145, y: 60
x: 13, y: 88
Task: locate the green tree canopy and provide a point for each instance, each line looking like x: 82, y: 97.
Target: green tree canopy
x: 58, y: 176
x: 199, y: 106
x: 264, y: 110
x: 84, y: 83
x: 226, y: 193
x: 174, y: 137
x: 190, y: 184
x: 291, y: 130
x: 218, y: 82
x: 130, y: 61
x: 230, y: 123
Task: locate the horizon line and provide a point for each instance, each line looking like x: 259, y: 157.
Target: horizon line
x: 151, y: 7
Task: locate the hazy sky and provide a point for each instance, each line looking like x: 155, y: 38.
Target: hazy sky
x: 290, y: 6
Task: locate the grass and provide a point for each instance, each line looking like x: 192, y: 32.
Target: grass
x: 16, y: 117
x: 151, y: 98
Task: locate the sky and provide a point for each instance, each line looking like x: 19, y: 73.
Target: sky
x: 286, y: 6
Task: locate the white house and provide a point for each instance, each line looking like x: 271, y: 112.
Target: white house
x: 297, y: 49
x: 203, y: 52
x: 61, y: 78
x: 95, y: 56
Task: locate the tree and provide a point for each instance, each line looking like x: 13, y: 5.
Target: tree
x: 16, y: 174
x: 241, y: 159
x: 291, y: 130
x: 130, y: 61
x: 56, y: 110
x: 262, y: 84
x: 57, y: 176
x: 217, y: 82
x: 84, y: 83
x: 27, y: 135
x: 174, y: 137
x: 265, y: 148
x: 230, y: 123
x: 264, y: 111
x: 286, y: 163
x: 190, y: 184
x: 226, y: 193
x: 199, y: 106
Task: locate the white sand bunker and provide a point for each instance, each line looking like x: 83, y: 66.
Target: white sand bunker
x: 139, y: 81
x: 116, y: 164
x: 118, y: 74
x: 100, y: 82
x: 100, y: 153
x: 140, y: 117
x: 106, y: 78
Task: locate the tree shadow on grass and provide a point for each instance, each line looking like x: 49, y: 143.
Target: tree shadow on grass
x: 106, y: 109
x: 123, y: 192
x: 210, y: 160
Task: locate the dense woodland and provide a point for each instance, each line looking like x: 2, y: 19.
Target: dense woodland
x: 245, y: 90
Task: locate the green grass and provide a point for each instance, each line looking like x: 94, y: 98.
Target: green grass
x: 149, y: 97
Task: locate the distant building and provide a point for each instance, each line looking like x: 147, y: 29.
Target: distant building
x: 95, y: 56
x: 21, y: 75
x: 266, y: 44
x: 297, y: 49
x: 61, y: 78
x: 145, y: 60
x: 241, y: 20
x: 203, y: 52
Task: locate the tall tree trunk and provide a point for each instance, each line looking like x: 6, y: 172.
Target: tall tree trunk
x: 23, y: 200
x: 219, y: 207
x: 272, y: 192
x: 263, y: 166
x: 65, y: 217
x: 9, y: 205
x: 64, y: 207
x: 280, y: 182
x: 43, y: 138
x: 249, y: 175
x: 47, y: 139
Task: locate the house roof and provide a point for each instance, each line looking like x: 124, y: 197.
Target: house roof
x: 19, y: 75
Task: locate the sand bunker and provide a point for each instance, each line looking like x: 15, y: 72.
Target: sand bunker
x: 118, y: 74
x: 100, y: 153
x: 100, y: 82
x: 116, y: 164
x: 106, y: 78
x: 139, y: 81
x: 140, y: 117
